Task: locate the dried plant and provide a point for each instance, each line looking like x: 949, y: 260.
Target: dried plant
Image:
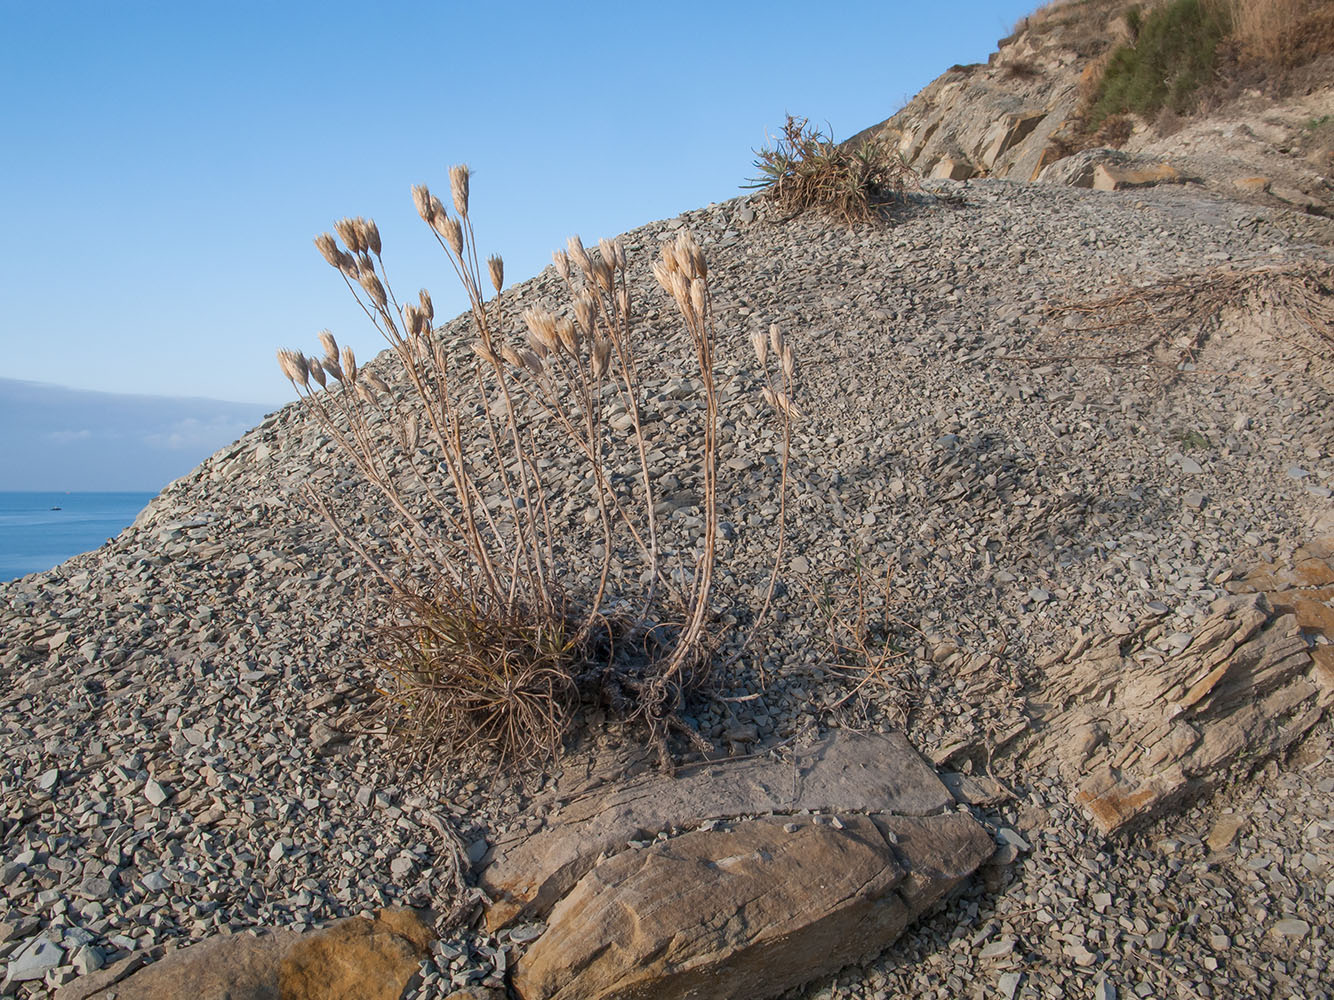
x: 808, y: 170
x: 494, y: 631
x: 864, y: 642
x: 1163, y: 323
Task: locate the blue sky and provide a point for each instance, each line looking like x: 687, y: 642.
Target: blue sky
x: 165, y: 166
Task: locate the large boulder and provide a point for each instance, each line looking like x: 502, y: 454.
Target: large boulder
x: 748, y: 911
x: 525, y: 875
x: 734, y: 879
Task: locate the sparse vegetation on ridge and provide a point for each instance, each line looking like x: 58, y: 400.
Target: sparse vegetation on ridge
x: 1174, y: 52
x: 490, y: 637
x: 1183, y: 49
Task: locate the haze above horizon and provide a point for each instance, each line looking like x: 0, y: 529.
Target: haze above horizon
x: 170, y: 163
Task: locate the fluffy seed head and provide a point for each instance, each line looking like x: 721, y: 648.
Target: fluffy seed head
x: 776, y: 339
x: 349, y: 364
x: 569, y: 339
x: 608, y: 251
x: 453, y: 233
x: 350, y: 233
x: 699, y: 296
x: 428, y: 310
x: 334, y: 369
x: 370, y: 233
x: 579, y: 255
x: 485, y: 353
x: 583, y: 311
x: 562, y: 261
x: 537, y: 347
x: 681, y: 292
x: 542, y: 325
x: 421, y: 199
x: 787, y: 406
x: 458, y: 187
x: 669, y: 258
x: 316, y: 371
x: 411, y: 319
x: 293, y: 365
x: 496, y: 267
x: 379, y: 384
x: 411, y: 432
x: 663, y: 272
x: 601, y: 359
x: 619, y: 248
x: 603, y: 275
x: 789, y: 362
x: 761, y: 346
x: 623, y: 300
x: 689, y: 255
x: 511, y: 356
x: 531, y: 361
x: 373, y: 288
x: 329, y: 344
x: 328, y: 248
x: 364, y: 393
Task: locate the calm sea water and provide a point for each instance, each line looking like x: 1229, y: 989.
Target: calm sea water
x: 35, y: 536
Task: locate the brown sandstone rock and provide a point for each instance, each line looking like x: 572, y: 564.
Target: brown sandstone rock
x: 1137, y: 723
x: 1253, y: 185
x: 951, y: 168
x: 354, y: 959
x: 232, y: 967
x: 1006, y: 133
x: 750, y: 911
x: 1107, y: 177
x: 845, y: 772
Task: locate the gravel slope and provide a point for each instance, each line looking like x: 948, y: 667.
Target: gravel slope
x: 166, y: 767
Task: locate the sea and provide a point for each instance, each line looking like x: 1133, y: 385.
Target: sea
x: 41, y: 530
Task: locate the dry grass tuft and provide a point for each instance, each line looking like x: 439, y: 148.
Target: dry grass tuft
x: 864, y: 642
x: 1282, y: 33
x: 806, y: 170
x: 465, y: 678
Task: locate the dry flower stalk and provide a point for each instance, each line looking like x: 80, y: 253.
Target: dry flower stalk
x: 492, y: 629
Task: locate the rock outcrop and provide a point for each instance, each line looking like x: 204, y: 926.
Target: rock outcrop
x: 1136, y: 723
x: 1017, y: 117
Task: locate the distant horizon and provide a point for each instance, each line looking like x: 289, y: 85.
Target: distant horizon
x: 275, y: 406
x: 60, y: 439
x: 82, y: 492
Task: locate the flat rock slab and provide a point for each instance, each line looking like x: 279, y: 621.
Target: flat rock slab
x: 353, y: 959
x: 748, y: 911
x: 844, y: 773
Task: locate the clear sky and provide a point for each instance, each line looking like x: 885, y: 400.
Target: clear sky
x: 165, y: 166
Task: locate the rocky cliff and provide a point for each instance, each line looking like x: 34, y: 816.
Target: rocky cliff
x: 1019, y: 117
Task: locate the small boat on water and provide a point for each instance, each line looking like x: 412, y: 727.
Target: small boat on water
x: 55, y: 508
